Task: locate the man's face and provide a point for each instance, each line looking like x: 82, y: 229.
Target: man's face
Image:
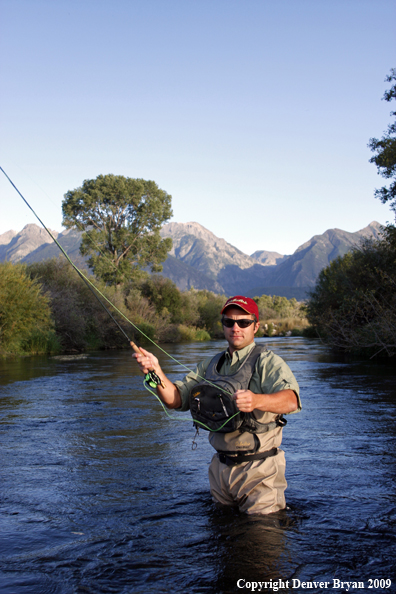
x: 237, y: 337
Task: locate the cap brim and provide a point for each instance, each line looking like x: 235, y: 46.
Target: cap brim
x: 235, y: 305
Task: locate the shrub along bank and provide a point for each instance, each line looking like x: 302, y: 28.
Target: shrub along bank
x: 46, y: 307
x: 353, y: 305
x: 26, y: 323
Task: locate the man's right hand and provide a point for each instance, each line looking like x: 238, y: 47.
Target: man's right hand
x: 167, y: 391
x: 146, y: 361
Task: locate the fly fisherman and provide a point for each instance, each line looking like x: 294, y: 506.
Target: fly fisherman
x: 247, y: 390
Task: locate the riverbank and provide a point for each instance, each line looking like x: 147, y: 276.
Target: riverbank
x: 47, y: 308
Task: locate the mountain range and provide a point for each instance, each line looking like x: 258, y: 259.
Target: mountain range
x: 225, y: 269
x: 200, y: 259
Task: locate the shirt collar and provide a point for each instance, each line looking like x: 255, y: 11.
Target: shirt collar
x: 238, y: 356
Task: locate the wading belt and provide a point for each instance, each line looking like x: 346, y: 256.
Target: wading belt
x: 232, y: 460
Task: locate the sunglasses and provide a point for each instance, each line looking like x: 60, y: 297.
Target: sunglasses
x: 229, y: 323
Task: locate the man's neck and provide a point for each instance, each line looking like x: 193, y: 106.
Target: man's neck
x: 232, y: 350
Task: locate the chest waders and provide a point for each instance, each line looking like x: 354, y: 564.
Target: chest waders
x: 215, y: 410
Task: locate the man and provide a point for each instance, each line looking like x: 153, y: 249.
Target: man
x: 248, y: 469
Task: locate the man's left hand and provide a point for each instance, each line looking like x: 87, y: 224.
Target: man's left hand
x: 245, y: 400
x: 280, y: 403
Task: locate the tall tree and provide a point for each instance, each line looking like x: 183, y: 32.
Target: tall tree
x: 122, y: 218
x: 385, y: 148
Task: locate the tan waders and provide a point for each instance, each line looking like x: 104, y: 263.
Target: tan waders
x: 256, y: 487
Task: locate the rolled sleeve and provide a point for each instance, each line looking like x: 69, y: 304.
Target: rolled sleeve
x: 275, y: 375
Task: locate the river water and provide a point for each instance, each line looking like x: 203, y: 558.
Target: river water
x: 102, y: 493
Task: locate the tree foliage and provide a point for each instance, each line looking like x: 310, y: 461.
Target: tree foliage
x: 25, y: 316
x: 122, y: 218
x: 274, y: 306
x: 353, y: 305
x: 164, y: 295
x: 385, y: 148
x: 209, y: 308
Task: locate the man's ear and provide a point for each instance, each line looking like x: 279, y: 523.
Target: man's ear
x: 257, y: 327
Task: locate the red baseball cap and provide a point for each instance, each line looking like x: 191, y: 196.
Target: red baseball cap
x: 244, y: 303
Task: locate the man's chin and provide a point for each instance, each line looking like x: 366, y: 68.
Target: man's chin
x: 237, y: 343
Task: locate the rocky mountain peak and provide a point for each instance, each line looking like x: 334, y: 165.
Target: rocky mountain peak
x: 6, y: 237
x: 23, y: 243
x: 201, y: 249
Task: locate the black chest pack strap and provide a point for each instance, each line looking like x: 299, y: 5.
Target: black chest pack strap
x: 233, y: 460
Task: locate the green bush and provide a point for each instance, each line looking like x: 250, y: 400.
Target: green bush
x: 202, y: 335
x: 164, y: 295
x: 148, y: 332
x: 190, y: 334
x: 26, y: 325
x: 209, y: 308
x: 81, y: 323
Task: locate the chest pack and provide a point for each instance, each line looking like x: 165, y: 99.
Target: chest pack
x: 212, y: 405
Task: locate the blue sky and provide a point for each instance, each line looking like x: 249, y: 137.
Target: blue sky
x: 254, y: 115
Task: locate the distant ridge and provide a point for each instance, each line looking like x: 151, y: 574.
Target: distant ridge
x: 201, y: 260
x: 302, y: 268
x: 268, y: 258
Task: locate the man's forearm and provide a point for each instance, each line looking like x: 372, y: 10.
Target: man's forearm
x: 282, y: 402
x: 169, y: 395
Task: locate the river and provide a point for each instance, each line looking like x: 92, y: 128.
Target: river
x: 102, y: 493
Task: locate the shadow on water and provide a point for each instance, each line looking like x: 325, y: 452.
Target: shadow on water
x: 101, y: 492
